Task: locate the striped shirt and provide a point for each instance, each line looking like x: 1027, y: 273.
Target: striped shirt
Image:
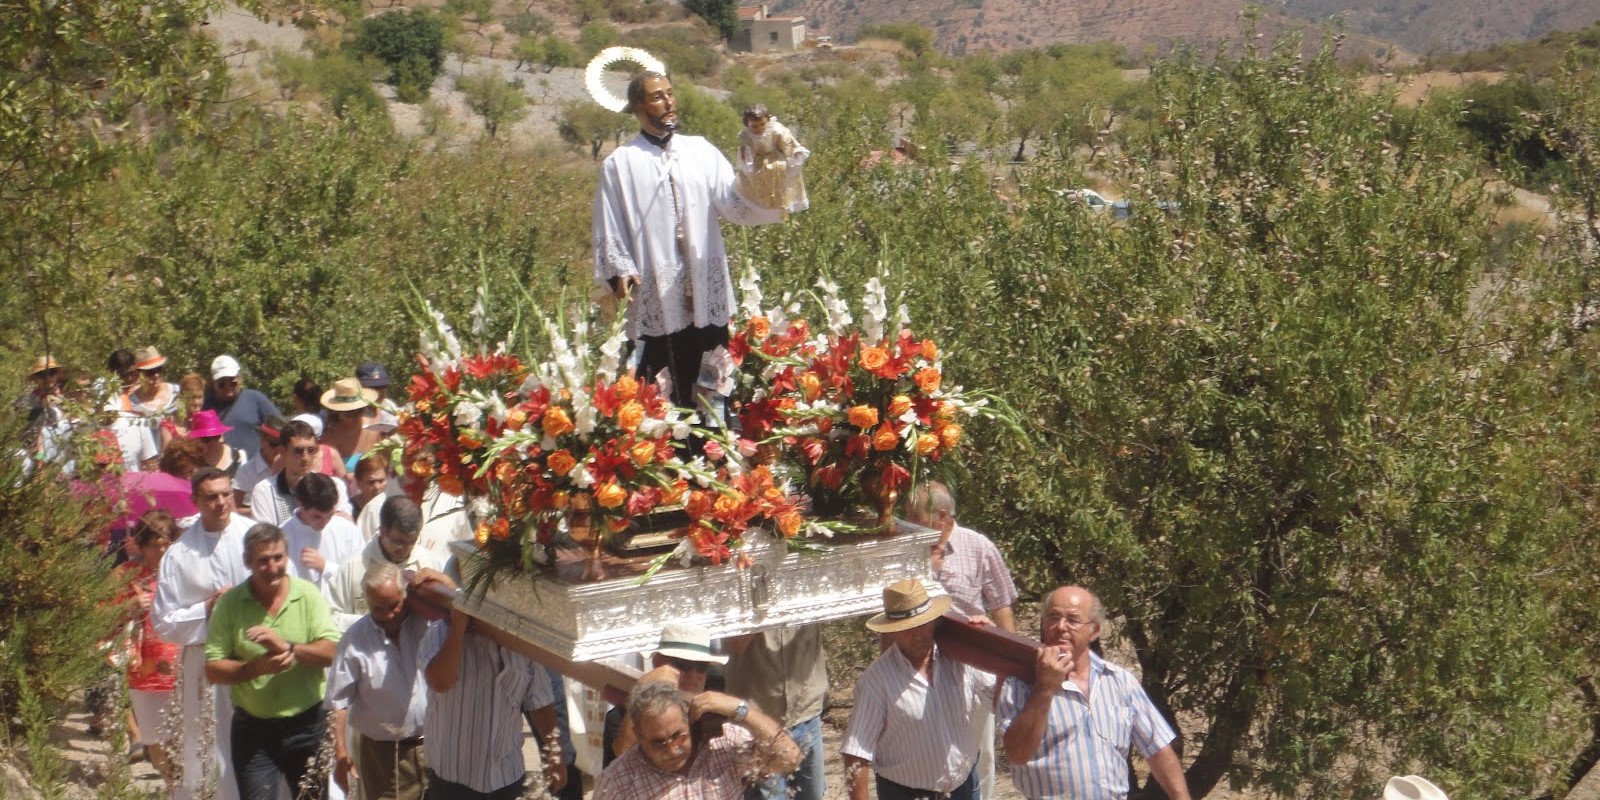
x: 716, y: 773
x: 380, y: 679
x: 974, y: 574
x: 473, y: 732
x: 916, y: 733
x: 1083, y: 753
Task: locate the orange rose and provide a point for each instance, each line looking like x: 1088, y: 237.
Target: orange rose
x: 610, y: 495
x: 422, y: 468
x: 504, y: 471
x: 863, y: 417
x: 810, y: 386
x: 885, y: 439
x: 556, y: 422
x: 560, y: 462
x: 468, y: 440
x: 630, y: 415
x: 674, y: 493
x: 760, y: 327
x: 626, y: 388
x: 945, y: 411
x: 560, y: 500
x: 926, y: 444
x: 616, y: 524
x: 500, y: 528
x: 451, y: 484
x: 927, y: 380
x: 873, y: 358
x: 930, y: 350
x: 643, y: 452
x: 950, y: 436
x: 789, y: 523
x: 480, y: 534
x: 727, y: 504
x: 899, y: 405
x: 515, y: 419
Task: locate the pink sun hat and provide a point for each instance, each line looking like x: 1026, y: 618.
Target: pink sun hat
x: 205, y: 423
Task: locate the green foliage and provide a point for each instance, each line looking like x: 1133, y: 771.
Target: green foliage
x: 585, y: 124
x: 721, y: 15
x: 1536, y: 58
x: 1498, y: 117
x: 410, y: 43
x: 56, y: 594
x: 594, y: 37
x: 702, y: 114
x: 916, y: 38
x: 498, y: 102
x: 558, y: 53
x: 480, y: 11
x: 530, y: 23
x: 685, y: 49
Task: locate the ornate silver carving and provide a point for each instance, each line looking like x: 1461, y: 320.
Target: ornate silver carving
x: 586, y: 621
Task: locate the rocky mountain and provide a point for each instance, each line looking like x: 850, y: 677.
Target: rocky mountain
x: 1154, y: 25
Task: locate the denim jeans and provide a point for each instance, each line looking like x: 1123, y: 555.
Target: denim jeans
x: 441, y: 789
x: 264, y: 749
x: 889, y: 790
x: 807, y: 782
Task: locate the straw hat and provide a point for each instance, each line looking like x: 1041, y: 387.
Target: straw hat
x: 148, y: 358
x: 689, y: 642
x: 206, y: 423
x: 348, y: 394
x: 1412, y: 787
x: 906, y: 605
x: 41, y: 364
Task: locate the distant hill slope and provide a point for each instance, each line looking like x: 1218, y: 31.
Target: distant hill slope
x: 1003, y: 25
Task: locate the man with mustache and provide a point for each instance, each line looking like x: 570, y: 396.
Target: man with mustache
x: 657, y: 242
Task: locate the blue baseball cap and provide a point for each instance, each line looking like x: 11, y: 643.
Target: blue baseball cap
x: 372, y: 375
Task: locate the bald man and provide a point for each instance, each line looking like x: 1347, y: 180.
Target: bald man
x: 1068, y: 734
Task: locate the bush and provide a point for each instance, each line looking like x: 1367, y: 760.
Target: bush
x: 410, y: 43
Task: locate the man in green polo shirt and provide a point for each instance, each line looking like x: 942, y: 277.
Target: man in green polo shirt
x: 270, y: 639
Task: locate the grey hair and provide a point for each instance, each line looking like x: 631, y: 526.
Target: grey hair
x: 636, y: 88
x: 933, y: 497
x: 260, y: 535
x: 654, y: 697
x: 400, y: 514
x: 382, y: 573
x: 1097, y: 610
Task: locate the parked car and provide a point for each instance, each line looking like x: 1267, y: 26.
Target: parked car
x: 1118, y: 209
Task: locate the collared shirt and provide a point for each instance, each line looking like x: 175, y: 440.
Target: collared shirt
x: 338, y: 542
x: 783, y: 672
x: 1084, y: 751
x: 345, y: 593
x: 195, y: 567
x: 252, y: 472
x: 273, y: 501
x: 915, y: 732
x: 647, y: 194
x: 473, y: 733
x: 716, y: 773
x: 380, y: 679
x: 303, y: 618
x: 974, y: 574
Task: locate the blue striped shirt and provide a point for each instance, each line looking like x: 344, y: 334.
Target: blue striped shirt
x: 473, y: 733
x: 916, y: 732
x: 1083, y: 753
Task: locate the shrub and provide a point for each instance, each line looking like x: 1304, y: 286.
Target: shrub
x: 411, y: 43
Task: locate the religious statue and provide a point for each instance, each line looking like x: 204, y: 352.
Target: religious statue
x: 769, y: 163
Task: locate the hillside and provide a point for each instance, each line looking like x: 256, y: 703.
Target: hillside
x: 1140, y: 25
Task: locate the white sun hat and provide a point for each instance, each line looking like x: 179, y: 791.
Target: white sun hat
x: 1412, y: 787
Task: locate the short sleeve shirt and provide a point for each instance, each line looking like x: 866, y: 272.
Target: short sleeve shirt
x: 303, y: 618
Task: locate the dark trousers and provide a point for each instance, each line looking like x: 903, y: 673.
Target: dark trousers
x: 264, y: 749
x: 889, y: 790
x: 680, y: 352
x: 441, y: 789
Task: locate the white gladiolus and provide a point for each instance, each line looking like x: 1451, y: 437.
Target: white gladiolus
x: 750, y: 294
x: 875, y: 311
x: 478, y: 507
x: 585, y: 416
x: 468, y: 415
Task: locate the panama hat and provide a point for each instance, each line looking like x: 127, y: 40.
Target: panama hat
x: 148, y: 358
x: 348, y: 394
x: 906, y: 605
x: 689, y: 642
x: 206, y: 423
x: 1412, y: 787
x: 42, y: 364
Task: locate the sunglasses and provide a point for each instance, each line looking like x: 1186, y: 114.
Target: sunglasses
x: 303, y: 451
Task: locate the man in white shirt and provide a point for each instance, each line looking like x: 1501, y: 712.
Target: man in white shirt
x: 205, y: 561
x: 657, y: 241
x: 319, y: 541
x: 273, y: 500
x: 261, y: 467
x: 375, y: 686
x: 914, y: 706
x: 399, y: 528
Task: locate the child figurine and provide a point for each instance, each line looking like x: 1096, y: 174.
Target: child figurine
x: 769, y: 163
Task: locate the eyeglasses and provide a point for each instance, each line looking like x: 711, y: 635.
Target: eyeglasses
x: 685, y: 665
x: 670, y: 741
x: 303, y: 451
x: 1070, y: 623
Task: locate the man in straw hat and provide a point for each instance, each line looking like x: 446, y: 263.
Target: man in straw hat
x: 685, y: 650
x: 914, y: 707
x: 657, y: 243
x: 1069, y: 733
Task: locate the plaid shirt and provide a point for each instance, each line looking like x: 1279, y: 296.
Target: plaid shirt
x: 716, y: 773
x: 974, y: 574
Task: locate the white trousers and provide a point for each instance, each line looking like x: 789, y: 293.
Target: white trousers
x: 203, y: 771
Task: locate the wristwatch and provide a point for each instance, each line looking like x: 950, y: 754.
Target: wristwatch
x: 741, y: 712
